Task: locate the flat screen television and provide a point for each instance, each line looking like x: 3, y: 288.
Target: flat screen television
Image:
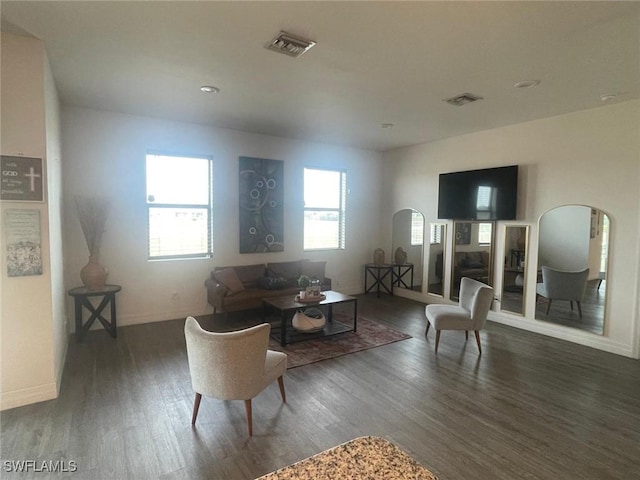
x: 487, y: 194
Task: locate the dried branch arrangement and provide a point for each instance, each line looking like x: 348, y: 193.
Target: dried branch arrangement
x: 92, y: 212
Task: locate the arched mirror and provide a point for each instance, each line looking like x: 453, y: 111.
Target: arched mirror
x: 573, y: 252
x: 514, y: 272
x: 472, y: 253
x: 437, y: 239
x: 407, y: 249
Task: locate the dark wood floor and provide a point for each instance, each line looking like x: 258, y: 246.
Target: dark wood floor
x: 529, y: 407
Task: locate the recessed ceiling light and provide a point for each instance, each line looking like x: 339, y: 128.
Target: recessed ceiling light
x: 608, y: 97
x: 209, y: 89
x: 386, y: 125
x: 527, y: 84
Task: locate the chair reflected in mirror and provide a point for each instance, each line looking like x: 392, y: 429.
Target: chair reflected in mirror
x: 563, y: 285
x: 572, y: 238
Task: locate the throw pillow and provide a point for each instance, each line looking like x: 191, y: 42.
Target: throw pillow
x: 274, y: 283
x: 290, y: 270
x: 229, y: 278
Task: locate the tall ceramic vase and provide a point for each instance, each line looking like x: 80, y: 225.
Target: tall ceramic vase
x: 93, y: 274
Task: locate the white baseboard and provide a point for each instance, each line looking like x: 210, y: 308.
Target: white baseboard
x: 27, y: 396
x: 564, y: 333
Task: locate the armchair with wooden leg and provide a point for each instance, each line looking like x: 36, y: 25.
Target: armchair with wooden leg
x: 232, y: 366
x: 470, y: 314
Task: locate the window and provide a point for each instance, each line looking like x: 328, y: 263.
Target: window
x: 485, y: 233
x: 435, y: 236
x: 605, y: 243
x: 324, y: 208
x: 483, y: 200
x: 417, y: 228
x: 179, y: 201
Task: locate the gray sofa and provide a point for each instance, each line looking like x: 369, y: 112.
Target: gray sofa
x: 471, y: 264
x: 236, y: 288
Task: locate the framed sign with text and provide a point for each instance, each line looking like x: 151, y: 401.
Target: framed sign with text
x: 22, y: 179
x: 22, y: 237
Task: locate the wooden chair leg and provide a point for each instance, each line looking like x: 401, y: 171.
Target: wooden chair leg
x: 466, y: 334
x: 478, y: 340
x: 437, y: 339
x: 196, y: 407
x: 579, y: 310
x: 281, y: 385
x: 247, y: 408
x: 426, y: 332
x: 548, y: 306
x: 571, y: 303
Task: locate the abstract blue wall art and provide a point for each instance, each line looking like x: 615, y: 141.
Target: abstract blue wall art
x: 261, y: 205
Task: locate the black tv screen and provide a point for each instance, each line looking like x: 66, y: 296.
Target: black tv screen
x: 487, y: 194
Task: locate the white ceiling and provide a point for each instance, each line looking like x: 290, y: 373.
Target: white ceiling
x: 374, y: 63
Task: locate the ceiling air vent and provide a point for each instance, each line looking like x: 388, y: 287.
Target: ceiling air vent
x: 463, y: 99
x: 290, y: 44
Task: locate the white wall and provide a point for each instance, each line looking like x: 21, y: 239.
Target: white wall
x: 54, y: 198
x: 28, y: 369
x: 105, y: 155
x: 565, y: 242
x: 589, y: 157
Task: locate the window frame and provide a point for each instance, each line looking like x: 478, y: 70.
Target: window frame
x: 435, y: 233
x: 341, y: 209
x: 207, y: 207
x: 486, y: 244
x: 414, y: 214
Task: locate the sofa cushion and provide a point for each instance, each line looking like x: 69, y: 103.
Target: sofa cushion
x: 477, y: 259
x: 229, y: 278
x: 274, y: 283
x: 468, y: 263
x: 313, y: 270
x: 288, y: 270
x: 249, y: 275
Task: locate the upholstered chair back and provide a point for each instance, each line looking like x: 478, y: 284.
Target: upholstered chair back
x: 564, y: 285
x: 227, y: 366
x: 476, y: 298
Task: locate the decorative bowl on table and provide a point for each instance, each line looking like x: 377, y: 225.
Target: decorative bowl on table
x: 309, y: 320
x: 310, y: 298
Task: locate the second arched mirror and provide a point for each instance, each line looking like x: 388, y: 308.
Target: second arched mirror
x: 573, y: 252
x: 407, y: 249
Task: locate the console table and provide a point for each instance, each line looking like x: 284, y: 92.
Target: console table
x: 81, y: 297
x: 378, y: 273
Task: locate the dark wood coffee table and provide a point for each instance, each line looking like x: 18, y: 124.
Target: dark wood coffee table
x: 287, y: 306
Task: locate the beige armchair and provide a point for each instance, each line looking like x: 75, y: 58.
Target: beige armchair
x: 470, y: 314
x: 563, y: 285
x: 232, y: 366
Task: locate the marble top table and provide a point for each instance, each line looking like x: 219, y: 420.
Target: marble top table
x: 363, y: 458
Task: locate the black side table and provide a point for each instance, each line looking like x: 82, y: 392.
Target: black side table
x: 81, y: 297
x: 378, y: 272
x: 400, y: 270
